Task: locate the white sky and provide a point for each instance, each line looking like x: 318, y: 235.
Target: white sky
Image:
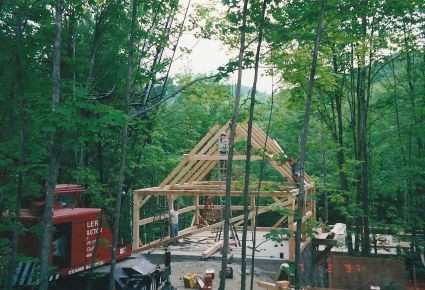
x: 207, y: 55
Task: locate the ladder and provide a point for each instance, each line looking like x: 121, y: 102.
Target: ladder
x: 208, y: 212
x: 234, y: 234
x: 222, y: 169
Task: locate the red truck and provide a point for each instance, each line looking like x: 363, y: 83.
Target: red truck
x: 73, y: 242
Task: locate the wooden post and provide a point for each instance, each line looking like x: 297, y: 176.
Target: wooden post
x: 170, y: 200
x: 197, y: 210
x: 136, y: 210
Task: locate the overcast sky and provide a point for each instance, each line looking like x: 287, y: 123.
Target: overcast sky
x: 207, y: 56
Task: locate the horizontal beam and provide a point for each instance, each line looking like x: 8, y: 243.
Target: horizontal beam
x: 197, y: 187
x: 263, y: 182
x: 205, y: 192
x: 191, y: 208
x: 233, y: 207
x: 186, y: 209
x: 163, y: 216
x: 211, y: 182
x: 221, y: 186
x: 223, y: 157
x: 259, y: 229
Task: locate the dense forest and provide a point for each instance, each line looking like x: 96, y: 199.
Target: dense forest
x: 87, y: 98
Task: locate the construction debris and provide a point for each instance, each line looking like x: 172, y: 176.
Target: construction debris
x: 202, y: 267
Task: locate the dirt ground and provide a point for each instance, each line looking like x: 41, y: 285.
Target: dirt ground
x: 180, y: 269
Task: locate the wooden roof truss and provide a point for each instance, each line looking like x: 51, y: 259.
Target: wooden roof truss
x: 188, y: 179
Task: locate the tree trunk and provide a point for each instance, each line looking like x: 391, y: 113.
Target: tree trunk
x: 54, y: 159
x: 124, y: 139
x: 414, y: 189
x: 158, y: 58
x: 353, y: 219
x: 325, y: 177
x: 227, y: 209
x: 20, y: 93
x: 97, y: 34
x: 342, y: 175
x: 357, y: 152
x: 100, y: 162
x: 362, y: 173
x: 257, y: 195
x: 94, y: 252
x: 246, y: 198
x: 338, y: 138
x: 303, y: 144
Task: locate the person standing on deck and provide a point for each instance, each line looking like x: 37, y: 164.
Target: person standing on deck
x: 174, y: 221
x: 223, y: 149
x: 295, y: 169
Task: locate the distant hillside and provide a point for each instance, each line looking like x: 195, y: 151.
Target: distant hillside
x: 246, y: 92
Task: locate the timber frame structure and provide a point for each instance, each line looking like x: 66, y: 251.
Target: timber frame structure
x: 188, y: 179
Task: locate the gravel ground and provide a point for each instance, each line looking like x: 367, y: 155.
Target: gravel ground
x: 180, y: 269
